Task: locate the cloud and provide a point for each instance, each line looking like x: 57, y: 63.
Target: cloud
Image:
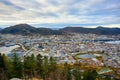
x: 102, y: 12
x: 112, y: 25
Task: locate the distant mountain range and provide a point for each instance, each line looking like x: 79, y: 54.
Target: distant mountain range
x: 98, y: 30
x: 25, y: 29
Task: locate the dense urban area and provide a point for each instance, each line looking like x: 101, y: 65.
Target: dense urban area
x: 60, y: 57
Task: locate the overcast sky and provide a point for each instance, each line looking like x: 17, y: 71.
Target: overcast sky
x: 60, y: 13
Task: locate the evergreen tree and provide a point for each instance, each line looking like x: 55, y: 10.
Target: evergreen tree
x: 39, y: 62
x: 2, y: 65
x: 3, y: 68
x: 26, y: 67
x: 16, y: 68
x: 45, y: 67
x: 33, y: 65
x: 29, y: 66
x: 53, y: 68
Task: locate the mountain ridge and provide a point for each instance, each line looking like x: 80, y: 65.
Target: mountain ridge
x: 26, y: 29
